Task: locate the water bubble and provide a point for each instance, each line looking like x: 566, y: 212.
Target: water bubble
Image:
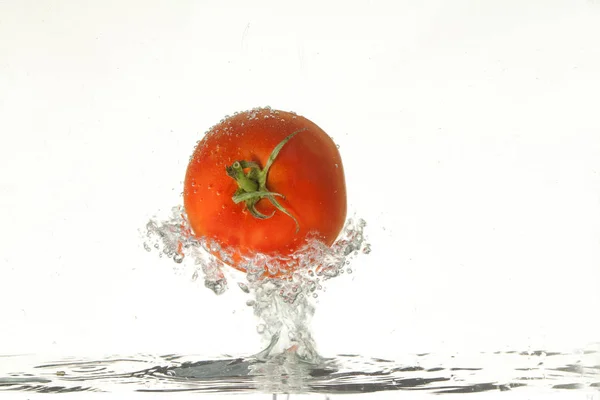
x: 244, y: 287
x: 195, y: 276
x: 349, y: 249
x: 337, y: 145
x: 260, y: 328
x: 315, y: 295
x: 252, y: 277
x: 218, y: 286
x: 272, y: 268
x: 178, y: 258
x: 366, y: 248
x: 214, y: 247
x: 250, y: 303
x: 349, y: 270
x: 147, y: 247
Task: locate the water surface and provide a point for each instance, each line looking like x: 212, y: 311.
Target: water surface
x: 285, y: 373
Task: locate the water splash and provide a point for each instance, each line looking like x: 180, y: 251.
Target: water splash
x: 283, y: 307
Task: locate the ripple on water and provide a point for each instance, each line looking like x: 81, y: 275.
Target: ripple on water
x: 287, y: 373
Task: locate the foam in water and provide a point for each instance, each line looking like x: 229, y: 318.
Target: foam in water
x: 283, y: 307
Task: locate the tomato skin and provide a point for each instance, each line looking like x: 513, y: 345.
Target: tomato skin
x: 308, y: 171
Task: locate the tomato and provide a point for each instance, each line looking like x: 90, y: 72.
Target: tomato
x: 264, y: 181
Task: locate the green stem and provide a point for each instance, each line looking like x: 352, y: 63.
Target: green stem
x: 259, y: 194
x: 252, y: 186
x: 262, y: 180
x: 244, y: 182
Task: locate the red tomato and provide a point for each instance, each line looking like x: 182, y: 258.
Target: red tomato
x: 262, y: 181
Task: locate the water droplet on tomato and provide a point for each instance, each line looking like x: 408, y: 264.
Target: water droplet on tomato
x: 218, y: 192
x: 337, y: 166
x: 272, y: 268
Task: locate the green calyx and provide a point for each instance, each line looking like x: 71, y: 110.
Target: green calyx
x: 252, y: 185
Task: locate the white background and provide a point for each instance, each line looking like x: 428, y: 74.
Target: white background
x: 470, y: 134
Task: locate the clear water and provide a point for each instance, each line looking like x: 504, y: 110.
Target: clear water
x: 287, y: 373
x: 289, y: 361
